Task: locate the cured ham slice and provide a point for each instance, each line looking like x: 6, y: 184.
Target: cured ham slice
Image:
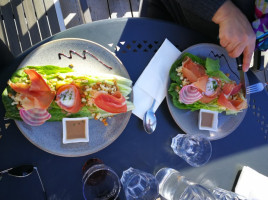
x: 201, y: 83
x: 231, y: 88
x: 206, y: 99
x: 37, y: 94
x: 234, y: 105
x: 191, y: 70
x: 236, y: 89
x: 239, y: 104
x: 40, y: 100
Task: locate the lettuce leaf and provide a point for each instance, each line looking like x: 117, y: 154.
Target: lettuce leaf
x: 20, y: 75
x: 55, y: 72
x: 213, y: 69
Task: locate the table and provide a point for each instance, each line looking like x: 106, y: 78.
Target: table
x: 134, y: 41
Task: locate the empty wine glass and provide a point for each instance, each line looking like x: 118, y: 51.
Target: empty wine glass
x: 194, y: 149
x: 100, y: 182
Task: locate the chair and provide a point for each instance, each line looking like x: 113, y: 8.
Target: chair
x: 24, y: 23
x: 94, y: 10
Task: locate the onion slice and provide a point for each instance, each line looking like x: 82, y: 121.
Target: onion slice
x: 189, y: 94
x: 35, y: 116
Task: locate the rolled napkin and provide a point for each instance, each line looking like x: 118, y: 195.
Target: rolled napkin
x: 252, y: 185
x: 152, y: 84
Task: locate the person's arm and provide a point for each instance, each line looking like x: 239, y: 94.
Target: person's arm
x: 205, y: 9
x: 235, y: 32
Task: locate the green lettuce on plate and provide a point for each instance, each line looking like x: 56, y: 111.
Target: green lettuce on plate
x: 55, y: 77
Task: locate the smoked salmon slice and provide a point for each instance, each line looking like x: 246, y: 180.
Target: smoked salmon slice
x: 37, y: 94
x: 191, y: 70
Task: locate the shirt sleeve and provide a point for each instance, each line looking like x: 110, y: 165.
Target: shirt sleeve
x: 202, y: 8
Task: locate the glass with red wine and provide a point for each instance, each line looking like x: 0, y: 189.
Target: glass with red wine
x: 100, y: 182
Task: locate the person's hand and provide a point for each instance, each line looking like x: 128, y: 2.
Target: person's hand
x: 235, y: 32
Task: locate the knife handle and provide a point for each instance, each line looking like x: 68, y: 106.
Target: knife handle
x: 239, y: 61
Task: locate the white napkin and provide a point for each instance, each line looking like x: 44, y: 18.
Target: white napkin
x: 252, y: 185
x: 152, y: 84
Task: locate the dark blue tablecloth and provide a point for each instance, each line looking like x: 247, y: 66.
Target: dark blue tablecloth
x: 134, y: 41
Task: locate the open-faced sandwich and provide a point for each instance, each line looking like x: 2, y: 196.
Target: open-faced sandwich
x: 36, y: 94
x: 198, y: 83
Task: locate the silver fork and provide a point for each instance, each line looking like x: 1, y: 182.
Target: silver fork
x: 258, y: 87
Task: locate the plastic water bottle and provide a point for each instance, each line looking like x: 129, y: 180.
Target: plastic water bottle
x: 139, y: 185
x: 174, y: 186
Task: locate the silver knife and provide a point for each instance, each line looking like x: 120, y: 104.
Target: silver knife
x: 239, y: 62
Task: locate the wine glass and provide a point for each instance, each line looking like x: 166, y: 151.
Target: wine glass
x: 100, y: 182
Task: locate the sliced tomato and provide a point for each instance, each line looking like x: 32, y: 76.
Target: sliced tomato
x: 37, y: 94
x: 191, y: 70
x: 115, y: 103
x: 74, y: 94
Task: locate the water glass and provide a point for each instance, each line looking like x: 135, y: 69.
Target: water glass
x: 194, y: 149
x: 174, y: 186
x: 139, y: 185
x: 100, y: 182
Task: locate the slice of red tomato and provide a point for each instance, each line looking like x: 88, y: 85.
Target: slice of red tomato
x: 77, y: 98
x: 115, y: 103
